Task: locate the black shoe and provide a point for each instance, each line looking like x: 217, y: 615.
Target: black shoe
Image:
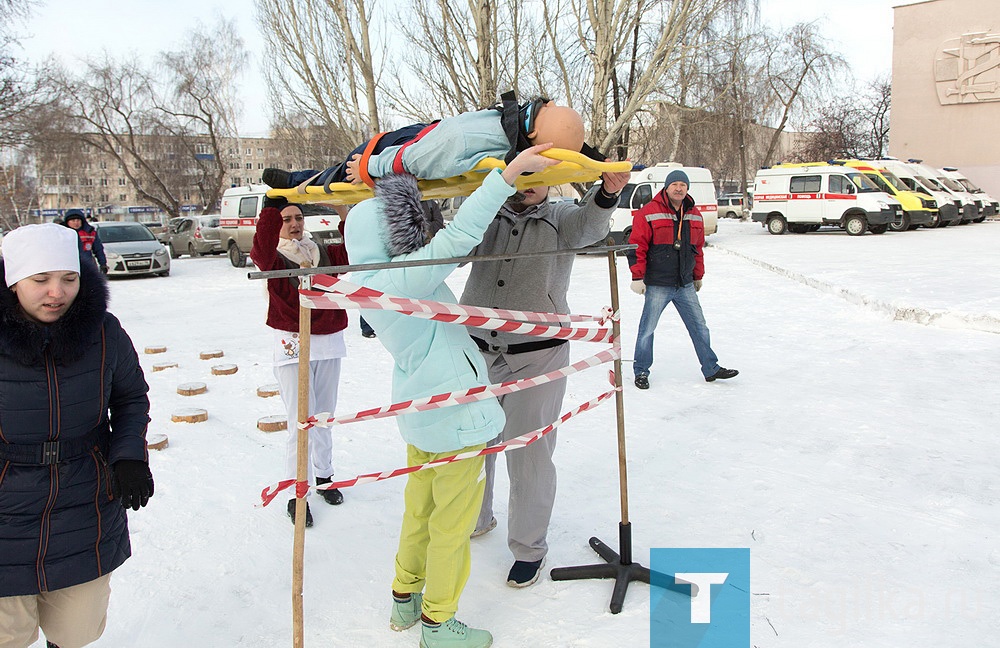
x: 722, y: 374
x: 368, y: 334
x: 642, y: 381
x: 291, y: 513
x: 331, y: 495
x: 276, y: 178
x: 49, y: 644
x: 524, y: 573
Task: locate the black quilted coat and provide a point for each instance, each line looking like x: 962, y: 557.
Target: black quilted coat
x: 78, y: 378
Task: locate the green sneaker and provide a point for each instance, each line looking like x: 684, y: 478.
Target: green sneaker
x: 405, y: 614
x: 453, y: 633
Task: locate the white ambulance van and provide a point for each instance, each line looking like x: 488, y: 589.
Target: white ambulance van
x: 647, y: 182
x: 801, y: 198
x: 238, y: 222
x: 971, y: 206
x: 990, y: 206
x: 949, y: 205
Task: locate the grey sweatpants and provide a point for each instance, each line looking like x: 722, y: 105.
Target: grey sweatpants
x: 531, y: 470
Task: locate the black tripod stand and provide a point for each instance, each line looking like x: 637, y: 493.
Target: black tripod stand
x: 618, y: 566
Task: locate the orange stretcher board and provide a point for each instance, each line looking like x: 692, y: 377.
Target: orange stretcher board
x: 573, y: 167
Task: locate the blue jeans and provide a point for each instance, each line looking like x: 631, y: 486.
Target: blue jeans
x: 685, y: 300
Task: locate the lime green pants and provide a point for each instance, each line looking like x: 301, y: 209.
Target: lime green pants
x: 442, y: 505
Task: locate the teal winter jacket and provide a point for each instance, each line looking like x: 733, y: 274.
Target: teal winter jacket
x: 430, y: 357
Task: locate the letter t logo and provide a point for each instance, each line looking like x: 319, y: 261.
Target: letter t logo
x: 701, y: 602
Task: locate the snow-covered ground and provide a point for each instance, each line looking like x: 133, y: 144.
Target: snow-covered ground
x: 854, y: 456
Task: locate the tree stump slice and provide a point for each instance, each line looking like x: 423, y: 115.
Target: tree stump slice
x: 156, y: 441
x: 275, y: 423
x: 224, y: 369
x: 208, y: 355
x: 189, y: 415
x: 161, y: 366
x: 267, y: 391
x: 154, y: 349
x: 192, y: 388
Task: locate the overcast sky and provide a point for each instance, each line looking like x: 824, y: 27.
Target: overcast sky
x: 860, y: 29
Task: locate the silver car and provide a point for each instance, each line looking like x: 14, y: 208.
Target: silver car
x: 194, y: 236
x: 132, y: 250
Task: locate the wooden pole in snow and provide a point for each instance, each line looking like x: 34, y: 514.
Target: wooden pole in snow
x: 301, y: 470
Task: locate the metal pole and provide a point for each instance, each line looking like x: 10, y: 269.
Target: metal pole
x: 301, y: 472
x: 297, y: 272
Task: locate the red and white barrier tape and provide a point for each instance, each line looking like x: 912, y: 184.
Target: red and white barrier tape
x: 351, y: 295
x: 301, y: 488
x: 447, y: 399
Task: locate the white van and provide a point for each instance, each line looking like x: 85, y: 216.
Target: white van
x: 949, y: 205
x: 802, y: 198
x: 971, y: 205
x: 647, y: 182
x: 238, y: 222
x: 990, y: 205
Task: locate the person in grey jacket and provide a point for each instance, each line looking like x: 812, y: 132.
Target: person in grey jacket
x: 529, y: 223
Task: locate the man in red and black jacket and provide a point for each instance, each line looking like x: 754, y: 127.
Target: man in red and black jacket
x: 280, y: 244
x: 667, y: 267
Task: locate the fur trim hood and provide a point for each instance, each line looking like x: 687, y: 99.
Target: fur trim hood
x: 26, y: 341
x: 409, y: 223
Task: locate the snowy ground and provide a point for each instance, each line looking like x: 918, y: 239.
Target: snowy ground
x: 853, y: 455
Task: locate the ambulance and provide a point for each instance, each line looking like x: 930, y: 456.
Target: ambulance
x: 990, y: 205
x: 646, y: 182
x: 971, y: 205
x: 949, y: 205
x: 918, y: 208
x: 802, y: 199
x: 238, y: 221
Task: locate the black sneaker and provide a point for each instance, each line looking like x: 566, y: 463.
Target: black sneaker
x: 368, y: 334
x: 291, y: 513
x: 722, y: 374
x: 331, y: 495
x: 642, y: 381
x: 524, y: 573
x: 276, y: 178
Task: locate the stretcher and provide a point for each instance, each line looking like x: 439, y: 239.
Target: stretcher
x: 573, y: 167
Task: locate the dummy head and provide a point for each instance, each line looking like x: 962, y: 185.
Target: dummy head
x: 560, y: 125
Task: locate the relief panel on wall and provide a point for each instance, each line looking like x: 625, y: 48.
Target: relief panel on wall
x: 967, y: 69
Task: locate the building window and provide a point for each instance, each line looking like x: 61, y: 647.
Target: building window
x: 249, y: 151
x: 260, y: 152
x: 104, y: 182
x: 121, y: 197
x: 236, y: 180
x: 86, y: 198
x: 249, y: 166
x: 104, y: 165
x: 104, y: 198
x: 121, y: 182
x: 260, y: 166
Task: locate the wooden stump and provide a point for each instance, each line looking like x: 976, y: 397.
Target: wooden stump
x: 156, y: 441
x: 224, y: 369
x: 189, y: 415
x: 208, y: 355
x: 266, y: 391
x: 275, y: 423
x: 192, y: 388
x: 160, y: 366
x: 155, y: 349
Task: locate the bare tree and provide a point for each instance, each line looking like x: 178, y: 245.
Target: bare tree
x: 18, y: 91
x: 852, y: 127
x: 18, y: 195
x: 799, y: 63
x: 321, y: 68
x: 162, y: 126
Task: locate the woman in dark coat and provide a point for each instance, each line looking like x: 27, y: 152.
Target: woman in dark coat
x: 73, y: 417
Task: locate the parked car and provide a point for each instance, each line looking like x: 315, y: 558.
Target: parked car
x: 731, y: 206
x: 132, y: 250
x: 194, y: 236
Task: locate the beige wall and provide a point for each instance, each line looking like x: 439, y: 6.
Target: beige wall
x: 948, y: 51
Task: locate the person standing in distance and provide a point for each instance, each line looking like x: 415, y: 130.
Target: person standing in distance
x: 91, y: 247
x: 667, y: 267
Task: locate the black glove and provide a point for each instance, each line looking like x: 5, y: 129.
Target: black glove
x: 278, y: 203
x: 104, y: 269
x: 133, y: 483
